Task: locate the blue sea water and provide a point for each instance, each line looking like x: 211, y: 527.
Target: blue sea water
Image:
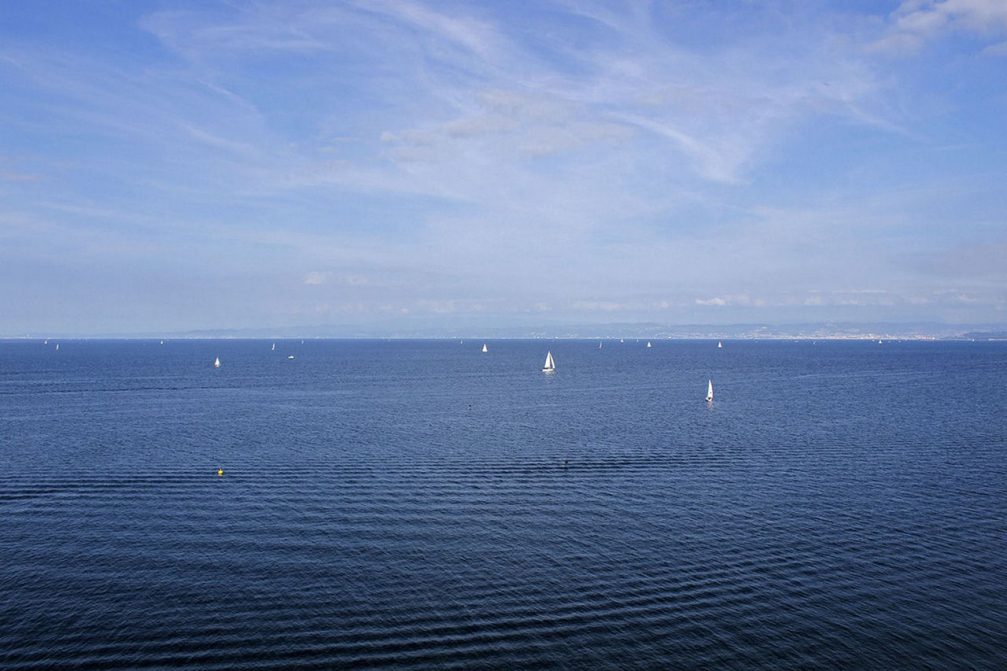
x: 419, y: 504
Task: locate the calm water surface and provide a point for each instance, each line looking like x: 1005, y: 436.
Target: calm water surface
x: 422, y: 505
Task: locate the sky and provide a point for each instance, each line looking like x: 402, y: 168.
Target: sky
x: 167, y: 166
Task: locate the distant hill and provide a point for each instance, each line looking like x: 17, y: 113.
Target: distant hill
x: 986, y: 335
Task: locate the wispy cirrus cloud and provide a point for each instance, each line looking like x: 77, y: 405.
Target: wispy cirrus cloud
x: 652, y: 160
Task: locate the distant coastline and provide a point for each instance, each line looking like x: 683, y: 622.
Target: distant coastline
x: 808, y: 331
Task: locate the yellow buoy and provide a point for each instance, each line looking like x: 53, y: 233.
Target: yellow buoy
x: 220, y: 472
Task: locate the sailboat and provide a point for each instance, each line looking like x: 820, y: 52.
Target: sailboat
x: 162, y: 342
x: 216, y: 362
x: 648, y: 344
x: 720, y: 345
x: 550, y: 365
x: 57, y: 347
x: 709, y: 391
x: 274, y: 348
x: 485, y: 348
x: 46, y: 342
x: 599, y: 344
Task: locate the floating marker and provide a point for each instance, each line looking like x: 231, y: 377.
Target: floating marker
x: 220, y: 472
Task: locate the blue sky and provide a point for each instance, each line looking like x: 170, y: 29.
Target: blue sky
x: 176, y: 165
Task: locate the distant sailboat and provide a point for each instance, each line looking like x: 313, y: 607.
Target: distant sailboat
x: 57, y: 347
x: 216, y: 362
x: 709, y: 392
x: 162, y: 342
x: 648, y: 344
x: 550, y: 364
x: 485, y: 348
x: 621, y: 340
x: 720, y: 345
x: 274, y: 348
x: 599, y: 344
x: 46, y: 342
x: 290, y: 356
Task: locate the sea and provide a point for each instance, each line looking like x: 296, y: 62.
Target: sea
x: 410, y: 504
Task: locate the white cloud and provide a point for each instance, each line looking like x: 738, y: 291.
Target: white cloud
x: 915, y: 22
x: 599, y: 306
x: 999, y: 49
x: 315, y: 278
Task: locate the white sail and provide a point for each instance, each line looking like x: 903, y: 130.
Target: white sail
x: 216, y: 362
x: 599, y: 344
x: 550, y: 364
x: 720, y: 345
x: 648, y: 344
x: 57, y: 347
x: 274, y: 348
x: 485, y: 348
x: 709, y: 390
